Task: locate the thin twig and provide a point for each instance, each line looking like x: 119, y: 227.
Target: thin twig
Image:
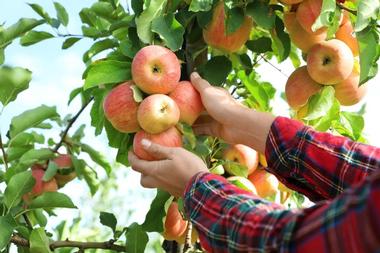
x: 71, y: 122
x: 188, y: 245
x: 110, y: 245
x: 5, y: 160
x: 347, y: 9
x: 279, y: 70
x: 27, y: 220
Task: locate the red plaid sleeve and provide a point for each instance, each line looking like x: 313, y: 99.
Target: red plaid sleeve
x: 319, y: 165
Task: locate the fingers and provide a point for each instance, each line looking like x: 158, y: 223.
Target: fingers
x: 206, y: 125
x: 148, y: 181
x: 199, y: 83
x: 142, y: 166
x: 157, y: 151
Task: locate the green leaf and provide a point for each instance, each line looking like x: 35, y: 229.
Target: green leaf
x: 104, y: 9
x: 32, y: 156
x: 216, y: 70
x: 137, y: 6
x: 40, y: 11
x: 52, y: 200
x: 104, y: 72
x: 137, y: 94
x: 97, y: 111
x: 24, y: 139
x: 369, y: 50
x: 144, y: 21
x: 260, y: 45
x: 262, y: 14
x: 200, y: 5
x: 154, y: 218
x: 16, y: 30
x: 31, y: 118
x: 353, y: 122
x: 7, y: 225
x: 281, y: 40
x: 2, y: 56
x: 62, y: 15
x: 367, y: 10
x: 320, y: 103
x: 50, y: 171
x: 89, y: 175
x: 98, y: 47
x: 69, y: 42
x: 136, y: 239
x: 236, y: 169
x: 326, y: 15
x: 12, y: 82
x: 18, y: 185
x: 97, y: 157
x: 34, y: 37
x: 325, y: 122
x: 170, y: 30
x: 234, y: 19
x: 39, y: 242
x: 109, y: 220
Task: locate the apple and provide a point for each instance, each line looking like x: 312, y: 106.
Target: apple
x: 40, y: 186
x: 265, y: 183
x: 242, y: 154
x: 66, y: 171
x: 330, y: 62
x: 346, y: 34
x: 349, y: 92
x: 300, y: 87
x: 174, y: 226
x: 120, y: 108
x: 169, y: 138
x: 157, y: 113
x: 156, y: 69
x: 188, y: 100
x: 291, y: 1
x: 215, y: 34
x: 302, y: 39
x: 242, y: 183
x: 307, y: 13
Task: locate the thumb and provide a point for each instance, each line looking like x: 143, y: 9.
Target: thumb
x: 156, y: 150
x: 199, y: 84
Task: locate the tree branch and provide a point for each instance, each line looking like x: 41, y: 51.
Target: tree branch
x: 71, y: 122
x: 347, y: 9
x: 279, y: 70
x: 5, y: 159
x: 188, y: 245
x: 110, y: 245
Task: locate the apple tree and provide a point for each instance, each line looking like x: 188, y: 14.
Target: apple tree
x: 226, y: 42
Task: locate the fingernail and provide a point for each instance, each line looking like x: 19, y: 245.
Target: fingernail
x: 146, y: 143
x: 195, y: 75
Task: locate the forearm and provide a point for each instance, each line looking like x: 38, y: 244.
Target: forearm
x: 231, y: 220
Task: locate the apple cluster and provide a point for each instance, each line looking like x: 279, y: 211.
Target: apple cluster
x: 329, y: 62
x: 156, y: 73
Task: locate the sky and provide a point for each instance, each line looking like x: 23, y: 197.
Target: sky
x: 56, y: 72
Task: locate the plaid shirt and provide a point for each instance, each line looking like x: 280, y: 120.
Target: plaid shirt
x: 341, y: 175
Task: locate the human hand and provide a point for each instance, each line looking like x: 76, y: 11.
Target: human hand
x: 173, y: 170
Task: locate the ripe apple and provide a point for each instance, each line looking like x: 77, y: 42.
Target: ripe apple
x: 188, y: 100
x: 307, y: 13
x: 241, y: 154
x: 291, y: 1
x: 300, y: 87
x: 266, y: 184
x: 66, y: 171
x: 156, y: 69
x: 40, y: 186
x: 346, y: 34
x: 330, y: 62
x: 216, y: 35
x: 242, y: 183
x: 120, y: 108
x: 302, y: 39
x: 157, y: 113
x: 174, y: 226
x: 169, y: 138
x: 348, y: 92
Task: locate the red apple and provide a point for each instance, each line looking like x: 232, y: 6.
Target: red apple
x: 156, y: 69
x: 40, y: 186
x: 302, y: 39
x: 291, y: 1
x: 241, y: 154
x: 120, y: 108
x: 300, y: 87
x: 66, y: 171
x: 157, y: 113
x: 266, y: 184
x: 174, y: 226
x: 307, y: 13
x: 170, y: 138
x: 330, y: 62
x: 216, y: 35
x: 188, y: 100
x: 349, y: 92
